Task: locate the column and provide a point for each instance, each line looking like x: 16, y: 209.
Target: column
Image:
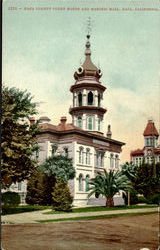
x: 84, y: 98
x: 96, y: 98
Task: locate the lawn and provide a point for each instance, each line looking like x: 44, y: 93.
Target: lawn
x: 97, y: 209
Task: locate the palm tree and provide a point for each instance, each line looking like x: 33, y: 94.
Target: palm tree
x: 108, y: 184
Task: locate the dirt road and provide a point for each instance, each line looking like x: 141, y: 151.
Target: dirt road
x: 118, y: 233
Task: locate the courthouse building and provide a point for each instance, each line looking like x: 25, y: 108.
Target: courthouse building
x: 83, y: 140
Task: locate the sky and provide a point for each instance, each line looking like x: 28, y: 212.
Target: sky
x: 42, y: 49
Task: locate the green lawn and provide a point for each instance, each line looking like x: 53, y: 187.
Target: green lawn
x: 95, y: 217
x: 22, y: 209
x: 96, y: 209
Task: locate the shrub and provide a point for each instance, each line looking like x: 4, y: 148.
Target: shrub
x: 155, y: 199
x: 142, y: 199
x: 62, y: 198
x: 10, y: 199
x: 133, y: 197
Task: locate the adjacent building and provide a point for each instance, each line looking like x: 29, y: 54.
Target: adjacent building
x: 151, y: 149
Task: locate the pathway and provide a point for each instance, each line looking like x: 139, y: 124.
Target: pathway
x: 33, y: 217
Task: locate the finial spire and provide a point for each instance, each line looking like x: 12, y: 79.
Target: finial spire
x: 88, y: 51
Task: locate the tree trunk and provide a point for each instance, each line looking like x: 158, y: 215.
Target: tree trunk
x: 109, y: 202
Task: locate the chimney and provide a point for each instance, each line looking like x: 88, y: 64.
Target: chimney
x: 63, y: 122
x: 32, y: 121
x: 109, y: 133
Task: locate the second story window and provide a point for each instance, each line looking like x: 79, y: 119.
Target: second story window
x: 87, y: 156
x: 111, y: 161
x: 54, y: 149
x: 81, y: 155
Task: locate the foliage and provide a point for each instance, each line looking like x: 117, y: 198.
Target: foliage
x: 142, y: 178
x: 59, y: 166
x: 42, y: 181
x: 133, y: 197
x: 145, y: 182
x: 130, y: 170
x: 10, y: 199
x: 155, y: 199
x: 21, y: 209
x: 108, y: 184
x: 62, y: 198
x: 18, y: 137
x: 142, y: 199
x: 39, y: 188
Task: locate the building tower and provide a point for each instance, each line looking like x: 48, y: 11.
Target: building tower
x: 87, y: 110
x: 150, y: 138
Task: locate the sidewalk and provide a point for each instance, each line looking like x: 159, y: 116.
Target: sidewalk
x: 33, y: 217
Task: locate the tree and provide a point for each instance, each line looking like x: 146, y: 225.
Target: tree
x: 18, y: 137
x: 108, y: 184
x: 42, y: 181
x: 142, y: 178
x: 145, y: 181
x: 59, y: 166
x: 62, y: 198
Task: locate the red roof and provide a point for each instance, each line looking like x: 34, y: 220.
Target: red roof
x: 137, y: 152
x: 150, y: 129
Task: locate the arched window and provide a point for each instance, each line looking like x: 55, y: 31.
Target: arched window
x: 87, y: 183
x: 90, y: 98
x: 90, y: 121
x: 79, y: 121
x: 81, y: 155
x: 111, y: 161
x: 87, y: 156
x: 80, y: 182
x: 101, y: 159
x: 99, y: 100
x: 116, y: 161
x: 80, y: 99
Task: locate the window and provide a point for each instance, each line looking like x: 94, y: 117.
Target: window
x: 66, y: 152
x: 80, y: 181
x: 99, y: 159
x: 79, y: 121
x: 99, y: 124
x: 87, y: 183
x: 19, y: 186
x: 111, y: 161
x: 116, y: 162
x: 54, y: 148
x: 99, y: 100
x: 81, y: 155
x: 147, y: 141
x: 90, y: 125
x: 80, y: 99
x: 90, y: 98
x: 136, y: 161
x: 87, y: 156
x: 151, y: 141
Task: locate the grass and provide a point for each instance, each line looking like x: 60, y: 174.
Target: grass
x: 22, y: 209
x: 97, y: 209
x: 94, y: 217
